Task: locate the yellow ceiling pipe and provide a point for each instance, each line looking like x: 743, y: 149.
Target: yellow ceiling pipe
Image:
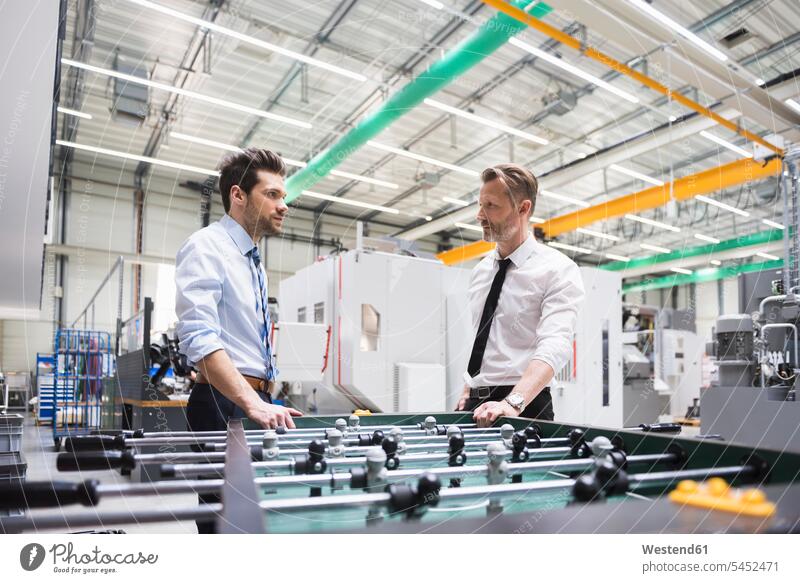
x: 624, y: 69
x: 465, y: 252
x: 712, y: 180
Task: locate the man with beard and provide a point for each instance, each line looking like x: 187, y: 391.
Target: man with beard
x: 524, y: 299
x: 221, y: 301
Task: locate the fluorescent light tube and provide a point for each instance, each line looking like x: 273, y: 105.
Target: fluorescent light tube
x: 618, y: 257
x: 249, y: 39
x: 553, y: 60
x: 288, y: 161
x: 655, y: 248
x: 688, y: 35
x: 652, y: 223
x: 67, y: 111
x: 349, y: 202
x: 793, y: 104
x: 367, y: 179
x: 186, y: 93
x: 457, y: 201
x: 639, y: 175
x: 681, y: 270
x: 722, y: 205
x: 724, y: 144
x: 421, y: 158
x: 469, y: 227
x: 706, y: 238
x: 137, y: 158
x: 598, y: 234
x: 566, y: 247
x: 773, y: 224
x: 767, y: 256
x: 564, y: 198
x: 487, y: 122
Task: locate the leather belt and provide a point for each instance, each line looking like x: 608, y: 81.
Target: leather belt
x: 258, y: 384
x: 486, y: 392
x: 480, y: 392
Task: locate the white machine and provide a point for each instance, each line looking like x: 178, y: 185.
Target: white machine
x: 589, y: 388
x: 390, y: 332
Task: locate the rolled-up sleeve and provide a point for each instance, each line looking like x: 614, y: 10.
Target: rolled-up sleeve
x: 199, y: 274
x: 556, y: 328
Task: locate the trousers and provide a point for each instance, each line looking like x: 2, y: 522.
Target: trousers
x: 209, y: 410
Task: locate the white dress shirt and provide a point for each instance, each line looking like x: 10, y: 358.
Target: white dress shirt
x: 535, y: 316
x: 216, y: 297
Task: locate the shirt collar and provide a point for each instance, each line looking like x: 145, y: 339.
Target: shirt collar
x: 243, y: 241
x: 521, y: 254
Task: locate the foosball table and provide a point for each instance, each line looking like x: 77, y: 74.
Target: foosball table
x: 425, y: 473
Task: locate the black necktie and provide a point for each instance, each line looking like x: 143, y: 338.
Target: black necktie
x: 482, y: 337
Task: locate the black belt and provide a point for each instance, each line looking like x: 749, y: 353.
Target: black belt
x: 486, y: 392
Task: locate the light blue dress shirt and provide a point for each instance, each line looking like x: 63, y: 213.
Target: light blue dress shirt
x: 216, y: 295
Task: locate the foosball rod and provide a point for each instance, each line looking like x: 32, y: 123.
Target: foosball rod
x: 312, y: 431
x: 186, y: 464
x: 103, y: 441
x: 90, y: 493
x: 15, y: 524
x: 424, y: 446
x: 218, y: 469
x: 123, y: 441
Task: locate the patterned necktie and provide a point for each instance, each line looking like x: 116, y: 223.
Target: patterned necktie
x: 482, y: 337
x: 261, y: 305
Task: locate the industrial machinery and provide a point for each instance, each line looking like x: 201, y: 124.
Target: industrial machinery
x: 753, y: 400
x: 391, y: 328
x: 662, y: 362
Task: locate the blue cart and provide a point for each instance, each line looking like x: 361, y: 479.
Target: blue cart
x: 83, y: 359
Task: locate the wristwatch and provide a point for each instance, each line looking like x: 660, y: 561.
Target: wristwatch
x: 516, y: 401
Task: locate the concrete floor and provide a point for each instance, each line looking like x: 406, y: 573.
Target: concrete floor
x: 38, y: 452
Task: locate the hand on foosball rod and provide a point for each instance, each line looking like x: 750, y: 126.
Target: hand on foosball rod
x: 489, y: 412
x: 273, y: 416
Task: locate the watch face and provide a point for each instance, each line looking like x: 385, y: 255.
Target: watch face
x: 515, y: 400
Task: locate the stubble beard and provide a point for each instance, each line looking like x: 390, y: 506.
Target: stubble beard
x: 259, y: 226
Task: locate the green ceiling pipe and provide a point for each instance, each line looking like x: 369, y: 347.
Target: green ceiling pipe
x: 700, y: 276
x: 744, y: 241
x: 471, y: 51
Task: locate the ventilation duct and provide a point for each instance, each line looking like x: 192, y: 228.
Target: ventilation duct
x: 131, y: 101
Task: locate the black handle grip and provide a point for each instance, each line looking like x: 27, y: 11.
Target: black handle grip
x: 95, y: 460
x: 94, y: 443
x: 136, y: 433
x: 660, y: 427
x: 24, y: 495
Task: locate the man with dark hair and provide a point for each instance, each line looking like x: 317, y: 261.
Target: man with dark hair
x: 223, y: 320
x: 523, y: 336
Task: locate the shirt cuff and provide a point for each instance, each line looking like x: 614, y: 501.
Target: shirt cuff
x: 201, y: 345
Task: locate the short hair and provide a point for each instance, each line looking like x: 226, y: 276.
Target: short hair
x: 241, y: 169
x: 520, y: 182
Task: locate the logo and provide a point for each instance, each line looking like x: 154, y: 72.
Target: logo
x: 31, y: 556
